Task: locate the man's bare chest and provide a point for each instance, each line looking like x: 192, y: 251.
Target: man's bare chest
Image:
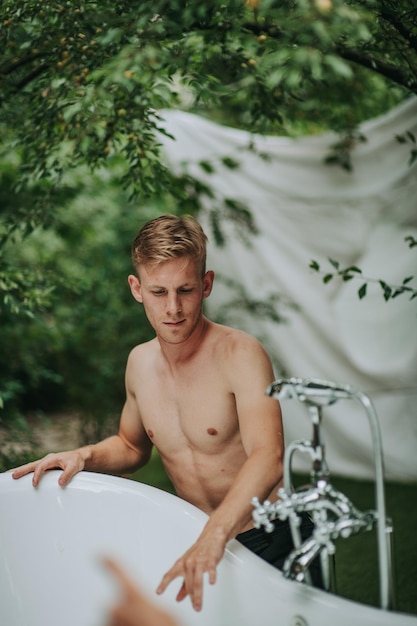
x: 196, y: 412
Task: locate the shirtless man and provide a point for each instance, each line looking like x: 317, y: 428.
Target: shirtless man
x: 197, y: 393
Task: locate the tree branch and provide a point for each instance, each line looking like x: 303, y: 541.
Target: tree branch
x: 392, y: 18
x: 26, y: 80
x: 389, y: 70
x: 31, y: 76
x: 19, y: 63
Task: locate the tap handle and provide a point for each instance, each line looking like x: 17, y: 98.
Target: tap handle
x: 309, y: 390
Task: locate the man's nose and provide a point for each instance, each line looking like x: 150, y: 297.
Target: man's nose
x: 173, y: 304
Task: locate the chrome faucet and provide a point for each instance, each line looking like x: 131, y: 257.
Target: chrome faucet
x: 333, y: 514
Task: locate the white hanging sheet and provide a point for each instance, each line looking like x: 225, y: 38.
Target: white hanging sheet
x: 305, y: 209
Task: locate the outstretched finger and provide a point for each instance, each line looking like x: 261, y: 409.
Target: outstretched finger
x: 18, y: 472
x: 194, y: 585
x: 120, y: 575
x: 168, y: 578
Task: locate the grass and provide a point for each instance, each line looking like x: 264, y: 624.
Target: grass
x: 357, y: 576
x: 356, y: 558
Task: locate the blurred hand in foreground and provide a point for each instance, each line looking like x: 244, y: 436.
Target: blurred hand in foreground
x: 134, y: 608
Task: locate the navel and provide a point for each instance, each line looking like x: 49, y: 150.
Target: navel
x: 150, y: 433
x: 212, y: 431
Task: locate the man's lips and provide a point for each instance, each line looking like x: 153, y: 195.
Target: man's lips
x: 178, y: 323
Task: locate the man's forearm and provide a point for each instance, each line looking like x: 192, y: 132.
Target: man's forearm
x: 257, y: 477
x: 112, y: 455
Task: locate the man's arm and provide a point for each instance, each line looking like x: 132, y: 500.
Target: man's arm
x: 121, y: 453
x: 261, y: 431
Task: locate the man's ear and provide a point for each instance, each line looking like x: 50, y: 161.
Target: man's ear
x: 135, y: 287
x: 208, y: 280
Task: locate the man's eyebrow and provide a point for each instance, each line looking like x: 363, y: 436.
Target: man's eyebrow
x: 188, y: 284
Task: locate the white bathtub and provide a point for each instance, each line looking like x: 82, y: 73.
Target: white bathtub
x: 51, y: 541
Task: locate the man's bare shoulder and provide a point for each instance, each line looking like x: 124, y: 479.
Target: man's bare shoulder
x: 234, y: 335
x: 234, y: 342
x: 143, y: 352
x: 242, y: 362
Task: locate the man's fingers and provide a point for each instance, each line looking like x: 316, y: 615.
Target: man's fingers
x: 66, y: 476
x: 33, y: 467
x: 212, y: 572
x: 167, y: 579
x: 43, y: 466
x: 182, y: 593
x: 191, y: 568
x: 37, y: 475
x: 38, y: 468
x: 70, y: 462
x: 187, y: 585
x: 194, y: 584
x: 18, y: 472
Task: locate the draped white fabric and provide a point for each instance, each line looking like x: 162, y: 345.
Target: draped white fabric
x: 305, y: 209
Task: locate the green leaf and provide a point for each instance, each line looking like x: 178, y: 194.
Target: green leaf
x: 386, y: 289
x: 71, y: 110
x: 230, y: 163
x: 362, y: 291
x: 207, y: 166
x: 339, y: 66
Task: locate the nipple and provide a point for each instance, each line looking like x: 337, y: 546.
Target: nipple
x: 150, y: 433
x: 212, y: 431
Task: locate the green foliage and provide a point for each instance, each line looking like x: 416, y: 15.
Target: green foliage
x: 72, y: 353
x: 409, y: 138
x: 389, y: 291
x: 82, y: 87
x: 83, y: 81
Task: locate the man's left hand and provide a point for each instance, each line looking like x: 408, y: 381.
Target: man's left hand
x: 201, y: 558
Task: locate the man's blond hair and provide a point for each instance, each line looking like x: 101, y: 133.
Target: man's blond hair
x: 170, y: 237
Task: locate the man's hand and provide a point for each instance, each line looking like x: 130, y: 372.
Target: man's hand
x: 134, y: 608
x: 202, y: 557
x: 71, y: 462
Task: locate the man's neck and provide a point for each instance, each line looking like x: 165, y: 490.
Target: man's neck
x: 177, y: 354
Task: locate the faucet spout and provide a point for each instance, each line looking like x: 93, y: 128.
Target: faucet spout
x: 300, y: 559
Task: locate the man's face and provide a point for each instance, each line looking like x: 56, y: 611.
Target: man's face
x: 172, y: 294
